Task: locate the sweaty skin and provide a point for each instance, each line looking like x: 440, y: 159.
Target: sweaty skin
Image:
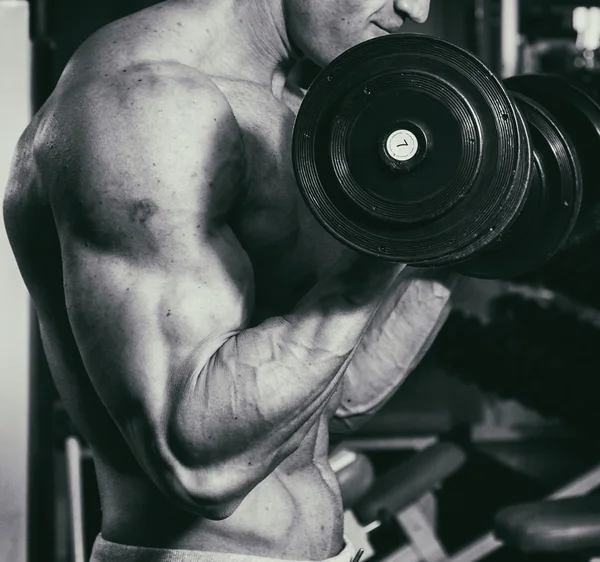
x: 204, y: 333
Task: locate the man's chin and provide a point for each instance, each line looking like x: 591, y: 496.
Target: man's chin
x: 372, y: 32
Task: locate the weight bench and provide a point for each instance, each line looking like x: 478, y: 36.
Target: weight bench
x: 403, y: 493
x: 568, y: 522
x: 512, y: 528
x: 429, y: 403
x: 561, y: 526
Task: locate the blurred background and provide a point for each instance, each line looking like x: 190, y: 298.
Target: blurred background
x: 522, y: 453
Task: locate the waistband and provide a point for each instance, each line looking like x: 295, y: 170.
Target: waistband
x: 106, y: 551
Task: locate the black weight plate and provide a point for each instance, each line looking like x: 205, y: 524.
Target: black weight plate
x: 469, y: 184
x: 575, y: 270
x: 577, y: 114
x: 551, y: 209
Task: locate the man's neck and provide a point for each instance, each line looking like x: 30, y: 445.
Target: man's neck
x: 241, y: 39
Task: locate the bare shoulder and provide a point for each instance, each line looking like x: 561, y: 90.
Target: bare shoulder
x: 154, y: 99
x: 159, y: 132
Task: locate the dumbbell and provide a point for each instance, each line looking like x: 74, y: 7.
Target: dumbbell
x: 407, y: 148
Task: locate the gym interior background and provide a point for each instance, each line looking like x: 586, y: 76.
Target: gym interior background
x: 512, y: 453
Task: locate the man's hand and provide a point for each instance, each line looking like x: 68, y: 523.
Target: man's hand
x: 400, y: 333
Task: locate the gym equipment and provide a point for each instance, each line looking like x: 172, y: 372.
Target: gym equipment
x: 403, y: 494
x: 74, y: 450
x: 536, y: 353
x: 557, y: 526
x: 354, y: 472
x: 546, y: 358
x: 567, y: 521
x: 575, y: 270
x: 490, y: 543
x: 409, y: 149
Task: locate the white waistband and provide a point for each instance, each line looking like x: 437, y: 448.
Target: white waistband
x: 106, y: 551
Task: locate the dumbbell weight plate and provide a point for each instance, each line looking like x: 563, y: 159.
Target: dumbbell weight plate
x: 551, y: 209
x: 575, y: 270
x: 407, y: 148
x: 579, y: 116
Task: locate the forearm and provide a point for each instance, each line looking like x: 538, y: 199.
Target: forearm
x: 258, y: 396
x: 399, y: 334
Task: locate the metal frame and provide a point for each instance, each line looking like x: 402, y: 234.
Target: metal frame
x: 74, y: 458
x: 509, y: 38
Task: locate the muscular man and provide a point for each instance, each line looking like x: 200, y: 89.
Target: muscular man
x: 204, y: 333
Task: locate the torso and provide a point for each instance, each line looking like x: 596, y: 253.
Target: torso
x: 296, y: 511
